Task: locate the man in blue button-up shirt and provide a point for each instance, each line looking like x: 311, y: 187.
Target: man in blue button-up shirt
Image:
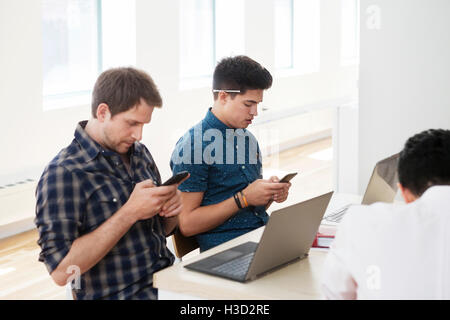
x: 225, y: 195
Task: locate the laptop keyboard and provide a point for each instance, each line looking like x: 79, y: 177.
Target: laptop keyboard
x: 237, y: 267
x: 336, y: 216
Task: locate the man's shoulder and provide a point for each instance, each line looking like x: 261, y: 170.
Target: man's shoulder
x: 188, y: 137
x: 68, y: 159
x: 372, y: 219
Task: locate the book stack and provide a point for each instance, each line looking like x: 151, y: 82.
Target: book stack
x: 324, y: 237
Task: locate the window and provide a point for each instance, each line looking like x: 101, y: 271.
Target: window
x: 197, y: 38
x: 81, y: 38
x: 230, y: 37
x: 206, y: 36
x: 297, y: 35
x: 283, y: 34
x: 307, y: 36
x: 70, y: 44
x: 350, y: 32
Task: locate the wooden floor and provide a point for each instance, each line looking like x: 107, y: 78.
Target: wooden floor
x: 22, y: 276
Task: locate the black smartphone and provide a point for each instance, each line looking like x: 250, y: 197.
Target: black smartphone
x: 176, y: 178
x: 288, y: 177
x: 285, y: 179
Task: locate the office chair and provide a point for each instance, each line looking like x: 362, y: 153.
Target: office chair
x: 183, y: 245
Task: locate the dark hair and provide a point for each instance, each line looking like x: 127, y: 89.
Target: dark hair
x: 425, y: 161
x: 122, y: 89
x: 240, y: 73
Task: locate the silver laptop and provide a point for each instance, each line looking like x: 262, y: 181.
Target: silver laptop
x: 287, y: 237
x: 382, y: 187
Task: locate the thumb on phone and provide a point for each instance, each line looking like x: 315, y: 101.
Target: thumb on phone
x: 274, y: 179
x: 149, y: 183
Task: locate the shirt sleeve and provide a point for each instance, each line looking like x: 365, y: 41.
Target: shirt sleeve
x: 58, y: 214
x: 184, y: 159
x: 337, y: 280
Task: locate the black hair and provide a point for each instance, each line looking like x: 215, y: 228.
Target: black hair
x: 425, y: 161
x: 240, y: 73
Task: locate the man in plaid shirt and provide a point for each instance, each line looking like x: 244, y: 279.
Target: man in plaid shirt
x: 100, y: 210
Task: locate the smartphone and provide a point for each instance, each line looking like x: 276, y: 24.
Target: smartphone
x: 285, y: 179
x: 288, y: 177
x: 176, y: 178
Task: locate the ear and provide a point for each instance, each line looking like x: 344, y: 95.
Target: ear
x: 103, y: 112
x: 407, y: 195
x: 222, y: 97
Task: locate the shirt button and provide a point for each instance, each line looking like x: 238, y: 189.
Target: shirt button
x: 114, y: 200
x: 243, y: 167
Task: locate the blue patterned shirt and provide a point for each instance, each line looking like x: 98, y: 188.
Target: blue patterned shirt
x: 221, y: 161
x: 82, y: 187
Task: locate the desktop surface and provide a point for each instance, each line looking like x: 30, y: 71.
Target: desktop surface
x: 298, y: 280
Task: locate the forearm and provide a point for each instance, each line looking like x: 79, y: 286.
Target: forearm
x: 89, y: 249
x: 205, y: 218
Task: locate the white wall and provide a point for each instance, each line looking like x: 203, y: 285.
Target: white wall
x: 404, y: 76
x: 30, y: 137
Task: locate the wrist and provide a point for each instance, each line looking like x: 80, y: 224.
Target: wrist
x: 237, y: 200
x: 127, y: 214
x: 244, y: 199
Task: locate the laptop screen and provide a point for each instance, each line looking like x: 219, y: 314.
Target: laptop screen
x: 382, y: 186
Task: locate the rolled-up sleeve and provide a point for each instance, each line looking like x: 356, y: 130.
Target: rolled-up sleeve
x: 58, y: 214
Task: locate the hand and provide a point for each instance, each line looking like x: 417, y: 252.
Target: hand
x: 260, y: 192
x: 172, y: 207
x: 283, y: 194
x: 146, y: 200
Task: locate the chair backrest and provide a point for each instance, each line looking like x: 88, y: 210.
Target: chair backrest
x: 183, y: 245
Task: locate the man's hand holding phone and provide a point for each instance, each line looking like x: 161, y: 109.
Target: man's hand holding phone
x: 260, y: 191
x: 147, y: 199
x: 173, y: 206
x: 281, y: 196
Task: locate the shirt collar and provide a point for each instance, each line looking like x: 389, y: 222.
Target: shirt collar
x: 93, y: 148
x: 436, y: 192
x: 214, y: 122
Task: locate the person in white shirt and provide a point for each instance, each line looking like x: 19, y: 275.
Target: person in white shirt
x: 399, y: 251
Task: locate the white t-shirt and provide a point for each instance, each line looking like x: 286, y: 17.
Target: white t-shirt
x: 392, y: 251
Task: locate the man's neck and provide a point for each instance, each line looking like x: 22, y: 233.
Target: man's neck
x: 92, y: 131
x: 217, y: 111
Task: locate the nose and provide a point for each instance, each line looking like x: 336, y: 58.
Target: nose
x: 137, y: 133
x: 254, y: 110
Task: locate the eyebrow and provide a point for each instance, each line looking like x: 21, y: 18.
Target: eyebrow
x: 252, y: 101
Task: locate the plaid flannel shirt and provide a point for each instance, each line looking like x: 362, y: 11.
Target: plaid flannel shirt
x: 82, y: 187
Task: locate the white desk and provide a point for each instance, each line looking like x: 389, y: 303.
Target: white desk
x: 299, y: 280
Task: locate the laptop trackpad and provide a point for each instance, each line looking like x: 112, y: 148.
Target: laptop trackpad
x: 227, y: 255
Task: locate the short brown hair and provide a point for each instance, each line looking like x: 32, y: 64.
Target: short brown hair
x: 122, y: 89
